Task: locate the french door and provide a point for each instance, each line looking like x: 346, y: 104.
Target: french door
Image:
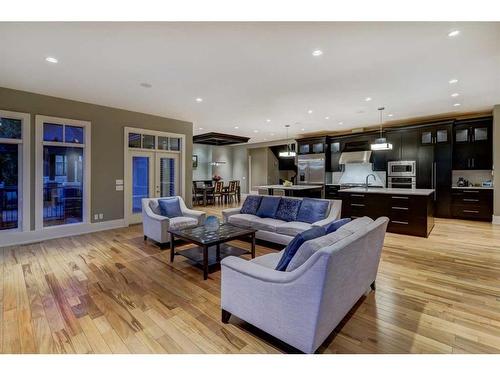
x: 153, y: 174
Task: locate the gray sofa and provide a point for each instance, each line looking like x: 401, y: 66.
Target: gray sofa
x: 303, y: 306
x: 279, y: 231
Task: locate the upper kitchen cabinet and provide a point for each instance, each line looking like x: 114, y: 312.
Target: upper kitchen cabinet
x: 312, y: 146
x: 435, y: 134
x: 473, y: 146
x: 335, y: 152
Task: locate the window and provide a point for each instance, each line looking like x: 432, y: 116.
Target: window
x: 14, y: 171
x: 63, y: 155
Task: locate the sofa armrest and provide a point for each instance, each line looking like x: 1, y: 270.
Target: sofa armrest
x: 198, y: 215
x: 229, y: 212
x: 255, y: 271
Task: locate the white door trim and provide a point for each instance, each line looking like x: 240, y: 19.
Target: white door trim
x: 126, y: 167
x: 131, y: 217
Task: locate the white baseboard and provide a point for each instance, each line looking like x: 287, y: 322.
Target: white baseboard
x: 496, y: 220
x: 20, y: 238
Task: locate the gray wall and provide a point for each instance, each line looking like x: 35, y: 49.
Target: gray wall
x: 107, y: 142
x: 496, y: 161
x: 204, y: 169
x: 240, y: 166
x: 259, y: 167
x: 223, y: 154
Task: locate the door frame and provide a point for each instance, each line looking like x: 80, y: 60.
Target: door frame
x: 136, y: 218
x: 127, y: 171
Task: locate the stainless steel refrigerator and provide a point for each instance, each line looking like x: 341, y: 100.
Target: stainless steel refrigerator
x: 311, y: 169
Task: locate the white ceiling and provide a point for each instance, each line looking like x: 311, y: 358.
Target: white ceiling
x: 247, y: 73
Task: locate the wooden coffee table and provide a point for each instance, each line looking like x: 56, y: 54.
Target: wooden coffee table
x: 212, y: 247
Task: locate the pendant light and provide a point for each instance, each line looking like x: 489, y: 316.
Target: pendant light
x: 288, y: 153
x: 381, y: 143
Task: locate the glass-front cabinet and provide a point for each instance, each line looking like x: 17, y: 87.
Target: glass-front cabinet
x: 435, y: 135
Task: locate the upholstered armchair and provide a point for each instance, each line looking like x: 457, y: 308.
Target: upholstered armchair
x: 156, y: 226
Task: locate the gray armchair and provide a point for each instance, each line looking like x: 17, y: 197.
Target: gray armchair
x: 303, y: 306
x: 156, y: 226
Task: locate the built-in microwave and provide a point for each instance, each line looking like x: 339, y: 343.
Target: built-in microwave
x: 406, y: 168
x: 402, y: 182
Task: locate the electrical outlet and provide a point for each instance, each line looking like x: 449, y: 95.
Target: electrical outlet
x: 96, y: 216
x: 101, y: 216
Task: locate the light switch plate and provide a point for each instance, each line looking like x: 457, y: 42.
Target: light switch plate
x: 119, y: 187
x: 96, y: 216
x: 119, y: 182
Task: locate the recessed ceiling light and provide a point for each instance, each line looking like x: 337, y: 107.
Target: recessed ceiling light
x: 341, y: 123
x: 456, y: 105
x: 200, y: 128
x: 317, y: 52
x: 268, y: 120
x: 310, y: 111
x: 265, y: 139
x: 368, y: 99
x: 255, y: 131
x: 327, y: 118
x: 199, y: 100
x: 390, y: 115
x: 452, y: 81
x: 146, y: 85
x: 455, y: 94
x: 272, y: 134
x: 303, y: 129
x: 453, y: 33
x: 52, y: 60
x: 236, y: 127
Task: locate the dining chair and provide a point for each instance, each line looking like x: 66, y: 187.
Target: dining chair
x: 218, y: 191
x: 197, y: 194
x: 231, y: 191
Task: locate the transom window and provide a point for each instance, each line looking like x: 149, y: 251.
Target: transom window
x: 153, y: 142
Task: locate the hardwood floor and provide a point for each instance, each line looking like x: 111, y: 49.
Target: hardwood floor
x: 111, y: 292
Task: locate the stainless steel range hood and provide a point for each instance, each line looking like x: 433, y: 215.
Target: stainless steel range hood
x: 355, y: 157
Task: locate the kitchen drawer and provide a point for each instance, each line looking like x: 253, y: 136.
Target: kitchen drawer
x: 473, y: 212
x: 473, y: 204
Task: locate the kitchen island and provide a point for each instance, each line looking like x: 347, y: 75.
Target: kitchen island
x: 410, y: 211
x: 311, y: 191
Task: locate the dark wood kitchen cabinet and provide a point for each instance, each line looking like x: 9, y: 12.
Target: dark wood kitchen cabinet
x: 472, y: 204
x: 408, y: 213
x: 312, y: 146
x: 473, y: 144
x: 335, y: 152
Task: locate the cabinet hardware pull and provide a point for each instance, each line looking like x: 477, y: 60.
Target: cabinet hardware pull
x: 471, y: 191
x: 357, y: 204
x: 470, y: 200
x: 471, y: 211
x: 400, y: 222
x: 400, y: 208
x: 357, y: 195
x: 398, y: 197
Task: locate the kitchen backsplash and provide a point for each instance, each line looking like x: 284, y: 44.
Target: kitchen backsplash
x: 356, y: 173
x: 474, y: 177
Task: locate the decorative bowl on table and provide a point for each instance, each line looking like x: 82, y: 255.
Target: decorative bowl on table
x: 287, y: 183
x: 212, y: 223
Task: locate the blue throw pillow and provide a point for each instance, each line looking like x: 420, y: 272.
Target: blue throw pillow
x: 332, y: 227
x: 288, y: 209
x: 294, y: 245
x: 312, y: 210
x: 251, y: 205
x: 170, y: 207
x: 268, y: 206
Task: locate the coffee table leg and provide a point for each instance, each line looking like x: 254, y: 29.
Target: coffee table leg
x: 205, y: 262
x: 218, y: 253
x: 253, y: 245
x: 172, y: 247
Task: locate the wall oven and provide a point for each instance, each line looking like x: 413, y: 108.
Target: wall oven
x: 405, y: 168
x: 402, y: 182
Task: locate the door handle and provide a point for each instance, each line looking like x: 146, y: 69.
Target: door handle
x: 473, y: 162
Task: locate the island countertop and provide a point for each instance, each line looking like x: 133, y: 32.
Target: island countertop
x: 388, y: 191
x: 293, y: 187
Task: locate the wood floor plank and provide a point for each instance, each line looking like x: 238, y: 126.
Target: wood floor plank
x: 113, y: 292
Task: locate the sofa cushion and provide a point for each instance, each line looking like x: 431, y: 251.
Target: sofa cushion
x: 332, y: 227
x: 170, y: 207
x: 296, y: 243
x: 268, y: 224
x: 251, y: 205
x: 268, y: 206
x: 308, y: 248
x: 182, y: 222
x: 292, y: 228
x: 242, y: 220
x: 268, y: 260
x: 312, y: 210
x: 288, y: 209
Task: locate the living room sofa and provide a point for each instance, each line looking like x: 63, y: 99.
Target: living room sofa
x: 302, y: 307
x: 279, y: 231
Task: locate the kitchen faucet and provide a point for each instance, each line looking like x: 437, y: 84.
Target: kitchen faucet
x: 366, y: 181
